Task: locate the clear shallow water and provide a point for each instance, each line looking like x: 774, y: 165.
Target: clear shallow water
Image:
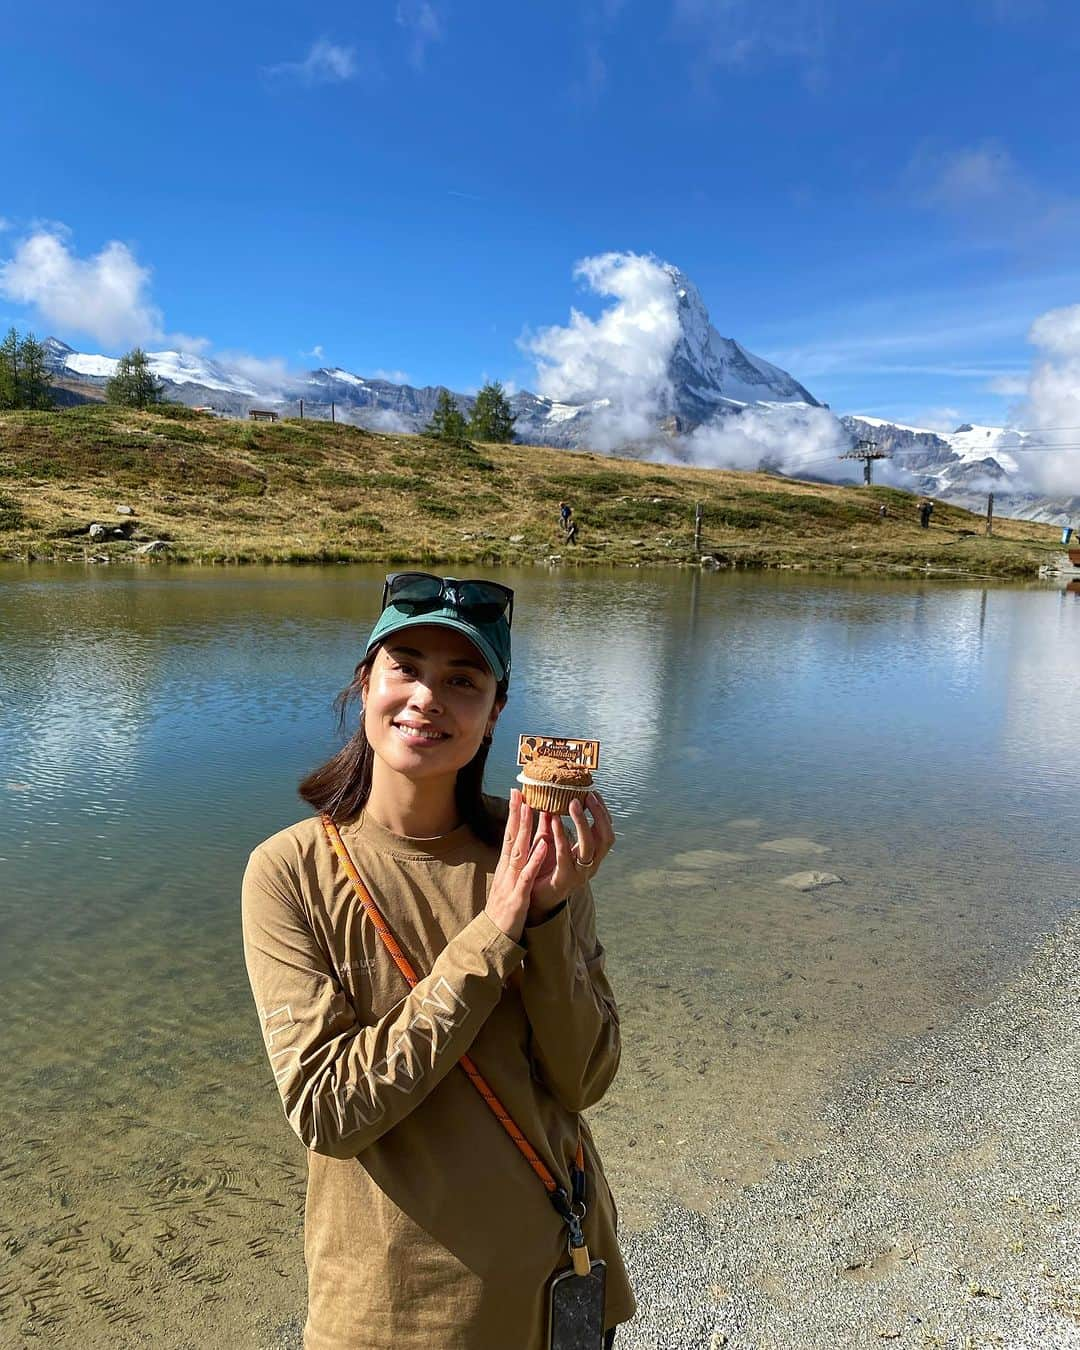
x: 153, y: 726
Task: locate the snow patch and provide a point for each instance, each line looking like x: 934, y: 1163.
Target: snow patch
x: 83, y: 363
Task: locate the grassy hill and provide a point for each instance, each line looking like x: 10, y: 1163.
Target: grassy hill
x: 228, y: 491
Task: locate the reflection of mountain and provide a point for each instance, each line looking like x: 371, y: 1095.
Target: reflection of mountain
x: 594, y: 670
x: 1041, y: 728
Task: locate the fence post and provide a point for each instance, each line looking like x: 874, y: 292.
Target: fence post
x: 697, y: 528
x: 990, y: 514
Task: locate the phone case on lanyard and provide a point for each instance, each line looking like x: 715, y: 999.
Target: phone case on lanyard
x: 576, y: 1309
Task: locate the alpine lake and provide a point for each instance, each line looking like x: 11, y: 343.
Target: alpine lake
x: 916, y: 742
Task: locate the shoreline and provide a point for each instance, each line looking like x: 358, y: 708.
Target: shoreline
x: 203, y: 491
x: 940, y: 1212
x: 864, y: 569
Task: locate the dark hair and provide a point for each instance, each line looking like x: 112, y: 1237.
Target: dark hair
x: 341, y: 786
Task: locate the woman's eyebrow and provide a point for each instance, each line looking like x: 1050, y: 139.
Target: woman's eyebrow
x: 466, y: 661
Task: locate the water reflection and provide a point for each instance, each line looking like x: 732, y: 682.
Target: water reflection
x: 153, y: 726
x: 1040, y: 725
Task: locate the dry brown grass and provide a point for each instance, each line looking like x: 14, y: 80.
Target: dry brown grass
x: 231, y: 491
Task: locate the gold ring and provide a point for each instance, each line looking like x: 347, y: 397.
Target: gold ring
x: 578, y: 862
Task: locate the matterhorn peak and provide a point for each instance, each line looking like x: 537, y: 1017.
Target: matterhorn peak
x: 711, y: 374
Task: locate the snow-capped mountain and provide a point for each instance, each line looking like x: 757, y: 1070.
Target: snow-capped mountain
x: 711, y: 374
x: 708, y: 376
x: 962, y: 466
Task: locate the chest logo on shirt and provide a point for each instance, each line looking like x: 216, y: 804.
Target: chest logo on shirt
x: 367, y: 963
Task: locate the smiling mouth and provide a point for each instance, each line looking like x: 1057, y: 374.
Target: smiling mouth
x: 420, y: 734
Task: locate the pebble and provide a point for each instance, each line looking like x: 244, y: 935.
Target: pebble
x: 660, y: 879
x: 793, y: 845
x: 811, y: 881
x: 708, y: 857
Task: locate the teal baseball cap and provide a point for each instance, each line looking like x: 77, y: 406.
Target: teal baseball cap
x: 478, y: 609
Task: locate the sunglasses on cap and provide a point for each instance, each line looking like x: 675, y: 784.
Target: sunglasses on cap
x: 477, y: 600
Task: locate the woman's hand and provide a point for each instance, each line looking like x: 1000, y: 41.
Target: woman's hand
x: 561, y: 872
x: 519, y: 865
x: 533, y: 876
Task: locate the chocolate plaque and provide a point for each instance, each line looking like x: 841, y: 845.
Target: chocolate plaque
x: 585, y: 753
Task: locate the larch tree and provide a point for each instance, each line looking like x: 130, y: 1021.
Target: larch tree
x: 24, y: 374
x: 492, y: 419
x: 134, y: 384
x: 447, y: 421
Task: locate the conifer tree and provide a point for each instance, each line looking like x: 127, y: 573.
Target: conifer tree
x: 134, y: 384
x: 34, y: 375
x: 492, y: 419
x: 9, y: 370
x: 447, y: 421
x: 24, y: 376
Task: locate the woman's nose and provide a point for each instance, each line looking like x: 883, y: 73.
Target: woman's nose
x: 425, y: 698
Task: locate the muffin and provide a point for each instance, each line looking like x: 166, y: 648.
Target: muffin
x: 552, y: 784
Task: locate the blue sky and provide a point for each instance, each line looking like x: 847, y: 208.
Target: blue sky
x: 881, y: 197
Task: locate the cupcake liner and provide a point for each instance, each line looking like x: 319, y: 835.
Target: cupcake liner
x: 549, y: 797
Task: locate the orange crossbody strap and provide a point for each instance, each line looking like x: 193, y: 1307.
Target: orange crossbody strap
x: 554, y: 1190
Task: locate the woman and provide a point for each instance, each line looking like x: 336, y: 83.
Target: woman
x: 425, y: 1227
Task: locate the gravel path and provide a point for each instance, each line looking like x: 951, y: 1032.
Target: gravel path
x: 945, y: 1211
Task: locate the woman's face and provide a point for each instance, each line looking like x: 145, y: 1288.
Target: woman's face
x: 428, y: 702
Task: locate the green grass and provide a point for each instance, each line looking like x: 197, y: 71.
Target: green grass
x: 11, y: 514
x: 233, y: 491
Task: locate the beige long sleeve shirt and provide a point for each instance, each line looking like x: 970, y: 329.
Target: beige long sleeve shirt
x: 425, y: 1228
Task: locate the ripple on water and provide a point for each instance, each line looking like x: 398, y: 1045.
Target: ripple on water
x: 793, y: 845
x: 146, y: 1148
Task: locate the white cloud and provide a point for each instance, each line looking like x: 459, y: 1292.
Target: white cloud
x: 325, y: 63
x: 187, y: 342
x: 737, y: 33
x: 106, y: 295
x: 268, y: 374
x: 393, y: 376
x: 622, y: 356
x: 1009, y: 386
x: 1052, y: 404
x: 379, y: 419
x: 995, y: 199
x: 424, y: 24
x: 316, y: 352
x: 938, y: 419
x: 965, y: 178
x: 793, y: 440
x: 6, y: 224
x: 618, y: 364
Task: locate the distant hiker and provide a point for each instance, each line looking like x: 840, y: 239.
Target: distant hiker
x: 925, y: 508
x: 571, y: 532
x: 565, y: 513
